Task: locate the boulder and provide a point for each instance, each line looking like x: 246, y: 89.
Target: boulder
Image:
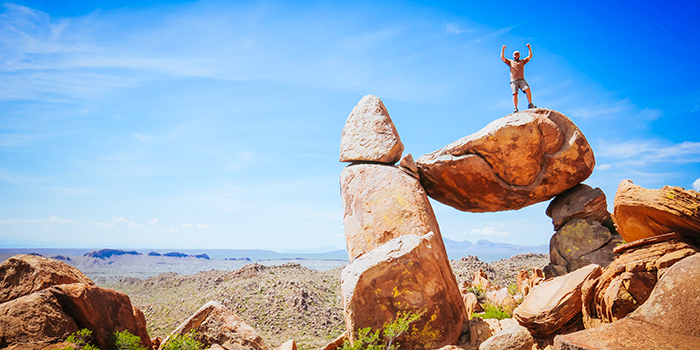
x: 471, y: 304
x: 50, y: 315
x: 502, y: 298
x: 628, y: 281
x: 408, y: 165
x: 582, y: 242
x: 481, y: 280
x: 554, y: 303
x: 215, y: 324
x: 668, y: 320
x: 642, y: 213
x: 512, y: 338
x: 381, y: 203
x: 481, y: 329
x: 288, y: 345
x: 579, y: 202
x: 337, y: 343
x: 518, y: 160
x: 369, y: 134
x: 410, y: 273
x: 23, y: 274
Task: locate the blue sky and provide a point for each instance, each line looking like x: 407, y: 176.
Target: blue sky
x: 212, y: 124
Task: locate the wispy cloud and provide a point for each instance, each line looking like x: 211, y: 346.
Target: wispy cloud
x: 186, y: 225
x: 456, y: 29
x: 493, y: 34
x: 153, y: 221
x: 119, y: 223
x: 696, y: 185
x: 642, y: 152
x: 489, y: 231
x: 53, y: 219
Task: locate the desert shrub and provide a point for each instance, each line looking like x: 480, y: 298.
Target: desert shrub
x: 383, y: 339
x: 81, y: 340
x: 183, y: 342
x: 492, y: 311
x: 479, y: 292
x: 126, y: 341
x: 513, y: 289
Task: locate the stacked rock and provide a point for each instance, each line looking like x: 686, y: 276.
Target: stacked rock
x: 398, y: 261
x: 585, y: 233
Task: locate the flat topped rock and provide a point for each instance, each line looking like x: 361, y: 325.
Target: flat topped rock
x: 369, y: 134
x: 518, y: 160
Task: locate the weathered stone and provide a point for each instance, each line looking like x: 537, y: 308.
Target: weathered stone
x: 554, y: 303
x: 513, y: 338
x: 668, y: 320
x: 409, y: 273
x: 381, y: 203
x: 288, y: 345
x: 23, y: 274
x: 337, y: 343
x: 408, y: 165
x: 642, y: 213
x: 515, y: 161
x: 523, y: 282
x: 369, y: 134
x: 582, y: 242
x: 579, y: 202
x: 502, y: 298
x: 471, y: 304
x: 49, y: 315
x: 481, y: 280
x: 215, y: 324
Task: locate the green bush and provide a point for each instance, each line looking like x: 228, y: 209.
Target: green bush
x: 127, y: 341
x: 492, y: 311
x: 513, y: 289
x: 479, y: 292
x: 383, y: 339
x: 81, y: 340
x: 183, y: 342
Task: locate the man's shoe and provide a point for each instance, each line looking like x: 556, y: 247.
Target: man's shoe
x: 516, y: 110
x: 531, y: 106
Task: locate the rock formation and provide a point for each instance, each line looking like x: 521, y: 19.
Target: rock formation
x: 669, y: 319
x: 642, y: 213
x: 216, y: 324
x: 369, y: 134
x: 512, y: 338
x: 580, y: 202
x: 519, y: 160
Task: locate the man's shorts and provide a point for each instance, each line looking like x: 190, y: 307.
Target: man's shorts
x: 518, y: 84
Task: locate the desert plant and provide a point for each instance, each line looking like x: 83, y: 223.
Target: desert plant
x: 183, y: 342
x: 124, y: 340
x: 479, y: 292
x: 513, y: 289
x: 383, y: 339
x: 492, y: 311
x: 81, y: 340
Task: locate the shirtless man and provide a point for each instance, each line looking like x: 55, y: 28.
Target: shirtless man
x: 517, y: 75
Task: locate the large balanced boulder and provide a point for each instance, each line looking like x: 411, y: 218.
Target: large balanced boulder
x: 406, y: 274
x: 369, y: 134
x: 668, y: 320
x: 642, y: 213
x: 553, y: 304
x: 518, y: 160
x: 381, y: 203
x: 217, y: 325
x: 24, y: 274
x: 579, y: 202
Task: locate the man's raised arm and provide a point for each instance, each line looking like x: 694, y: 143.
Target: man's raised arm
x: 503, y: 54
x: 529, y: 52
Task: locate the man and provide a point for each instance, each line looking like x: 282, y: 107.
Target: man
x: 517, y: 75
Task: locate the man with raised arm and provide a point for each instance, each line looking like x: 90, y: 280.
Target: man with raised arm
x: 517, y: 75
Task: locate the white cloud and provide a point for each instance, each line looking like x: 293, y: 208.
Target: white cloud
x: 641, y: 152
x: 696, y: 185
x: 186, y: 225
x: 603, y: 166
x: 118, y: 223
x: 153, y: 221
x: 488, y: 231
x: 53, y: 219
x: 203, y: 226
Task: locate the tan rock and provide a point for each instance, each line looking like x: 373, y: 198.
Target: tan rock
x: 554, y: 303
x: 409, y: 273
x: 34, y: 319
x: 471, y: 304
x: 642, y: 213
x: 408, y: 165
x: 502, y: 298
x: 581, y: 242
x: 669, y: 319
x: 523, y: 282
x: 381, y: 203
x: 513, y: 338
x: 337, y: 343
x: 481, y: 280
x: 23, y: 274
x: 519, y: 160
x: 579, y: 202
x: 369, y: 134
x: 216, y: 324
x: 480, y: 330
x: 288, y: 345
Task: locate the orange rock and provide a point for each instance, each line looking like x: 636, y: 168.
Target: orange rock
x: 23, y: 274
x: 381, y: 203
x: 502, y: 298
x: 519, y: 160
x: 643, y: 213
x: 523, y: 282
x: 471, y: 304
x: 337, y: 343
x: 579, y: 202
x: 369, y: 134
x: 481, y: 280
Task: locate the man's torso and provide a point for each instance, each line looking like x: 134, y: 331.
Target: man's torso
x: 517, y: 68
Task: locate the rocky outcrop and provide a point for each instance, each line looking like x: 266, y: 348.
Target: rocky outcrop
x: 582, y: 242
x: 406, y: 274
x: 381, y: 203
x: 216, y: 324
x: 555, y: 303
x: 669, y: 319
x: 369, y: 134
x: 642, y: 213
x: 519, y: 160
x: 580, y: 202
x: 628, y: 281
x: 108, y: 253
x: 23, y: 274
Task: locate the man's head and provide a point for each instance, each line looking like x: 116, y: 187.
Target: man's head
x: 516, y: 55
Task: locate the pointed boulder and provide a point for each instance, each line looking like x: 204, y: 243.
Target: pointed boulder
x: 369, y: 134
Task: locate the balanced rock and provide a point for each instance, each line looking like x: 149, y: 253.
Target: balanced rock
x: 668, y: 320
x: 369, y: 134
x: 642, y: 213
x: 554, y: 303
x: 381, y: 203
x: 216, y: 324
x: 579, y: 202
x: 518, y: 160
x: 24, y: 274
x: 410, y: 273
x: 582, y: 242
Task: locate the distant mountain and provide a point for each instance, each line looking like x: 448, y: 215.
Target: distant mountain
x: 328, y: 248
x: 490, y: 251
x: 108, y: 253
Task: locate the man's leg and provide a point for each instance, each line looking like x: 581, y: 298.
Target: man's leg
x: 515, y: 100
x: 529, y: 96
